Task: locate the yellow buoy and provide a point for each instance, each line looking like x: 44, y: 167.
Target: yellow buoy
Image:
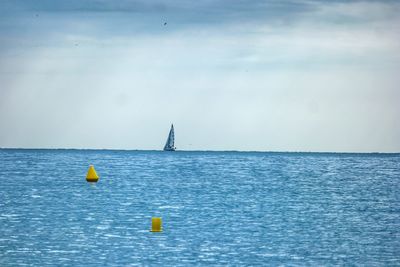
x: 92, y: 175
x: 156, y: 224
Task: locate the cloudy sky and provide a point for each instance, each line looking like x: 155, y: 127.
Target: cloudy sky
x: 284, y: 75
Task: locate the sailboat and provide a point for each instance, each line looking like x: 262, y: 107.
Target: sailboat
x: 170, y: 144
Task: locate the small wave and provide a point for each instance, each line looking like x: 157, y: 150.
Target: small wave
x: 170, y: 207
x: 9, y: 215
x: 103, y: 227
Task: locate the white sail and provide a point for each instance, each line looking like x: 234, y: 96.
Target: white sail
x: 170, y: 144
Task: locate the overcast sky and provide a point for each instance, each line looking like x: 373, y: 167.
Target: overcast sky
x: 281, y: 75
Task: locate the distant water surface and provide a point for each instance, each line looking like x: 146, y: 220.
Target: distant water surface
x: 218, y: 208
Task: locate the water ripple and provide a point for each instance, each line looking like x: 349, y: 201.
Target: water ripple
x: 218, y: 208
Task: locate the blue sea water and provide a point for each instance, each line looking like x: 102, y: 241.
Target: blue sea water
x: 218, y: 208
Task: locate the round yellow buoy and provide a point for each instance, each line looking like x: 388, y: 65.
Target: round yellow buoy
x: 92, y: 175
x: 156, y: 224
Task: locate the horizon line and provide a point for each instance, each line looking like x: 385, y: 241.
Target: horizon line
x: 241, y: 151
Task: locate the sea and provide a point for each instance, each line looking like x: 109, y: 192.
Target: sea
x: 217, y: 208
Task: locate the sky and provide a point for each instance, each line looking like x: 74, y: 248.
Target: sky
x: 287, y: 75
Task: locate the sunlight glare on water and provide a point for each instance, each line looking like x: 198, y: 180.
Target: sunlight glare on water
x: 224, y: 208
